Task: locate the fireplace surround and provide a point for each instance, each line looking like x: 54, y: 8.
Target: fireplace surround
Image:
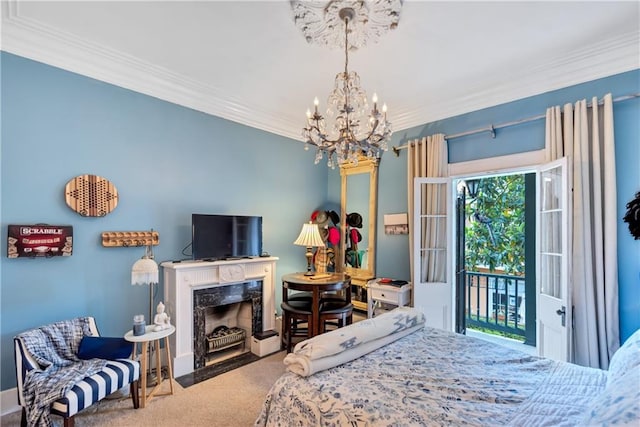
x: 189, y: 284
x: 217, y: 309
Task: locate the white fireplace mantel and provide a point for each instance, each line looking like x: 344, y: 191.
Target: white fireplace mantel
x: 182, y: 278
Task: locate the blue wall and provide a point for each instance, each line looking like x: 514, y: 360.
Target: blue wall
x: 392, y: 250
x: 168, y: 161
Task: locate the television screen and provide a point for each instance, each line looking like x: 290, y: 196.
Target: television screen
x: 218, y: 237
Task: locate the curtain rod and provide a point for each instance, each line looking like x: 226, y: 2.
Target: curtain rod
x: 492, y: 128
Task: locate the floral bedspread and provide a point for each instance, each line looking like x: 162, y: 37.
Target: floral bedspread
x: 434, y: 377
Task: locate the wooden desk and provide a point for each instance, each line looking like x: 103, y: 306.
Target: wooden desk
x: 144, y: 340
x: 300, y: 282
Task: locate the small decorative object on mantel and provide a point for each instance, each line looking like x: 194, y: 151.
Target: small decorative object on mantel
x: 91, y: 195
x: 130, y: 238
x: 39, y: 240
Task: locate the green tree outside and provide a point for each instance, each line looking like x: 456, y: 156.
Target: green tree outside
x: 494, y: 230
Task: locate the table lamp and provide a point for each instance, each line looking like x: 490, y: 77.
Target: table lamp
x: 310, y: 238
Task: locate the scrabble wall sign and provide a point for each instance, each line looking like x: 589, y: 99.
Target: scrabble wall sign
x: 39, y: 240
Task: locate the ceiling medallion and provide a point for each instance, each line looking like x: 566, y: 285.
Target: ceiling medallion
x: 321, y: 23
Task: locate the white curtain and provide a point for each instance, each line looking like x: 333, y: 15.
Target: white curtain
x: 587, y: 139
x: 428, y: 157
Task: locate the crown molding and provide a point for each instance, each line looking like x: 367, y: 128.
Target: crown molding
x: 34, y: 40
x: 606, y: 58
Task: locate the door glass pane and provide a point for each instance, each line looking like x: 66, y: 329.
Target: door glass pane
x: 550, y: 238
x: 551, y: 275
x: 551, y: 232
x: 432, y: 267
x: 433, y: 233
x: 434, y: 199
x: 551, y: 189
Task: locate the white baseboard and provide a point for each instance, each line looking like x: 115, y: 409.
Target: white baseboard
x: 9, y: 401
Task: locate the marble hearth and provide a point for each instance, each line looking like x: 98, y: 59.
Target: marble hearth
x: 183, y: 278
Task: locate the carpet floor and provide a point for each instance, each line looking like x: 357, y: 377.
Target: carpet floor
x: 230, y: 399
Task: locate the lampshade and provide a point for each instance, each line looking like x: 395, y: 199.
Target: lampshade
x: 144, y: 272
x: 309, y: 236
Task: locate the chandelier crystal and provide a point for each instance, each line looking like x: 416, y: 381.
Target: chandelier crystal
x: 356, y: 130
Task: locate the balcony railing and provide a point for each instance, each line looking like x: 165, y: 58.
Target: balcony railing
x: 495, y: 302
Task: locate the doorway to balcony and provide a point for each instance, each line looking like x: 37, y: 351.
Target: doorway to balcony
x: 495, y: 258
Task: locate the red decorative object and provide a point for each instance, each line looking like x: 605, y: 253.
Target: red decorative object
x: 39, y: 240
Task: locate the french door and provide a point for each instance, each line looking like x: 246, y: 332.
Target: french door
x: 553, y: 332
x: 460, y: 265
x: 436, y: 265
x: 432, y: 268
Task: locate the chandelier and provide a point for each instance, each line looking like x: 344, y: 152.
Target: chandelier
x: 356, y: 130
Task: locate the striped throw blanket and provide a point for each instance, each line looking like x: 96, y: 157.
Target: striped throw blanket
x: 54, y: 347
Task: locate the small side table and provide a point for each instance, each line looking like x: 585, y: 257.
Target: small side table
x: 151, y: 336
x: 388, y: 294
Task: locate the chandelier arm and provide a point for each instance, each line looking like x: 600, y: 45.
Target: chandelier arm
x: 323, y: 138
x: 366, y: 141
x: 330, y: 149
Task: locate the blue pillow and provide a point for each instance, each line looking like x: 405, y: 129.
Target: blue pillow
x: 109, y: 348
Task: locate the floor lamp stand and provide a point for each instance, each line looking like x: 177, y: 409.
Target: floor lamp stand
x: 152, y: 377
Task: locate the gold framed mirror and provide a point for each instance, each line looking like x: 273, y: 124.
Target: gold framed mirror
x: 358, y: 203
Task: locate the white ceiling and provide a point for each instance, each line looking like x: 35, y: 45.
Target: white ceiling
x: 246, y: 61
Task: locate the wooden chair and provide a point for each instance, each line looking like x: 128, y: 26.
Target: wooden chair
x: 295, y: 314
x: 335, y: 312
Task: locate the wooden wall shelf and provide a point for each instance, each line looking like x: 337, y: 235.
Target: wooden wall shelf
x: 130, y: 238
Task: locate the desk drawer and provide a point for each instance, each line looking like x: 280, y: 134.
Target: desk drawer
x: 390, y: 296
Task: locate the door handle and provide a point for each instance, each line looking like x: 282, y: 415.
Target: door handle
x: 562, y: 312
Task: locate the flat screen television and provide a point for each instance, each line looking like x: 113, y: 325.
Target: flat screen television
x: 219, y: 237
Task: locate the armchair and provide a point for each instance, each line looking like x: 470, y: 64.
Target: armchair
x: 61, y: 370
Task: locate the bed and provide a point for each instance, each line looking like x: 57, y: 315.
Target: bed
x: 433, y: 377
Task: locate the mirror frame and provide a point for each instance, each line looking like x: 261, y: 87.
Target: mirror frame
x: 370, y: 167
